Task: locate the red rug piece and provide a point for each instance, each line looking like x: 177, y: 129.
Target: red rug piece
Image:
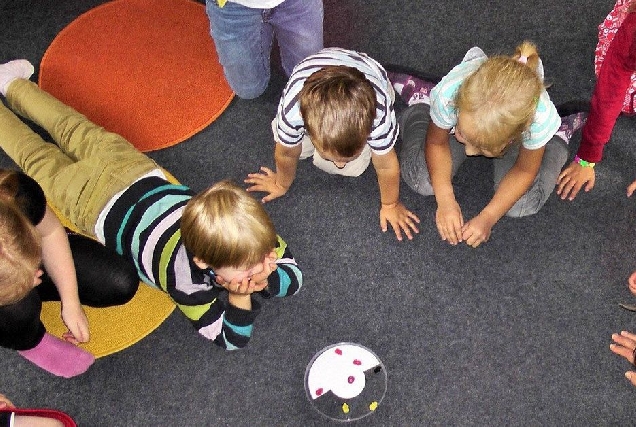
x: 145, y: 69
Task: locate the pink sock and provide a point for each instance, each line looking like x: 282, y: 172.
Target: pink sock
x: 59, y: 357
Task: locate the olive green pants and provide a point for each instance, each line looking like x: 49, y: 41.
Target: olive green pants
x: 86, y: 168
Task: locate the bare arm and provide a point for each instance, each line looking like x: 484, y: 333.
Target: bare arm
x: 513, y: 185
x: 58, y: 262
x: 392, y: 210
x: 439, y: 162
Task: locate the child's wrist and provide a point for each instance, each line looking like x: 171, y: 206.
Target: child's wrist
x: 390, y: 205
x: 583, y: 163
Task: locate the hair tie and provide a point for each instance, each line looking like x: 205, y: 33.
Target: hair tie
x: 523, y: 59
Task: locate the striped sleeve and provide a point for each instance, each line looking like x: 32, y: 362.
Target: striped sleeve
x: 287, y: 279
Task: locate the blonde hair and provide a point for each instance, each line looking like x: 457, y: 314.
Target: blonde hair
x: 502, y: 96
x: 224, y: 226
x: 337, y: 104
x: 20, y: 244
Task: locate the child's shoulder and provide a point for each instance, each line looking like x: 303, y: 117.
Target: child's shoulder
x: 448, y: 85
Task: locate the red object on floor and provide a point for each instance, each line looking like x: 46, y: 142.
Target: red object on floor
x: 145, y: 69
x: 44, y: 413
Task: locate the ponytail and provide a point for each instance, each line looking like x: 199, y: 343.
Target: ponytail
x: 528, y: 54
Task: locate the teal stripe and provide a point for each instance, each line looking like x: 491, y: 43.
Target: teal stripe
x: 151, y: 214
x: 132, y: 208
x: 285, y: 281
x: 246, y: 331
x: 126, y: 218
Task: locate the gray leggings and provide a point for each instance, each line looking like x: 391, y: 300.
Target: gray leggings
x: 413, y: 125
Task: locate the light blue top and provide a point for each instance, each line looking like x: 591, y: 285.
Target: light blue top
x: 444, y: 114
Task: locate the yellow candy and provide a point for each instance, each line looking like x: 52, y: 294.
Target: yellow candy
x: 373, y: 406
x: 345, y: 408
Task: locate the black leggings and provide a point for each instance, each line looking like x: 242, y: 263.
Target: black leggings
x: 104, y: 279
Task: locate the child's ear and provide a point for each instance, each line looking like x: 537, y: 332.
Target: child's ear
x: 202, y: 265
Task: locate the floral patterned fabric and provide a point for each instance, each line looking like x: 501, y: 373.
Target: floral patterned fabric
x: 606, y: 32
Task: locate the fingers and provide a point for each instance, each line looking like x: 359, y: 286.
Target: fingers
x: 401, y: 220
x: 630, y: 336
x: 409, y: 225
x: 632, y: 282
x: 69, y: 337
x: 631, y: 376
x: 260, y: 181
x: 624, y: 345
x: 631, y: 188
x: 451, y: 231
x: 569, y: 188
x: 474, y: 240
x: 269, y: 198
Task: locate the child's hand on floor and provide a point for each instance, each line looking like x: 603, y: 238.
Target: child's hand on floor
x: 573, y: 178
x: 265, y: 181
x: 625, y: 345
x: 449, y: 221
x: 477, y: 231
x: 400, y: 219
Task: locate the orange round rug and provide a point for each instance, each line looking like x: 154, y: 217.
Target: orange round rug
x: 145, y: 69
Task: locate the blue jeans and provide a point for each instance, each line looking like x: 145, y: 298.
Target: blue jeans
x: 243, y: 37
x: 413, y: 126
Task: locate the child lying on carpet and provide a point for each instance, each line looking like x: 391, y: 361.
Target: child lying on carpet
x: 338, y: 108
x: 10, y: 416
x: 39, y: 262
x: 194, y: 247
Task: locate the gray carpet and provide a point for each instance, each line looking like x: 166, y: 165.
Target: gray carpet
x: 515, y: 332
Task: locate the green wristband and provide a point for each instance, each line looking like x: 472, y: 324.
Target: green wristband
x: 584, y: 163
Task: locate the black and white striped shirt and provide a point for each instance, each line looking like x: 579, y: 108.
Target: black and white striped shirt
x: 289, y: 122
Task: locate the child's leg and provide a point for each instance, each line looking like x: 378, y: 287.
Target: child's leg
x: 243, y: 42
x: 412, y: 87
x: 34, y: 155
x: 299, y: 30
x: 77, y: 136
x: 104, y: 278
x: 554, y: 157
x: 20, y: 325
x: 22, y: 330
x: 413, y: 127
x: 99, y: 163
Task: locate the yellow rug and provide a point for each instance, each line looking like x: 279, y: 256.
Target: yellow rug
x: 114, y: 328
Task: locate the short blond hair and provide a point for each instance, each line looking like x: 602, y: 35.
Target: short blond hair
x: 502, y: 96
x: 337, y: 104
x: 20, y: 253
x: 224, y: 226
